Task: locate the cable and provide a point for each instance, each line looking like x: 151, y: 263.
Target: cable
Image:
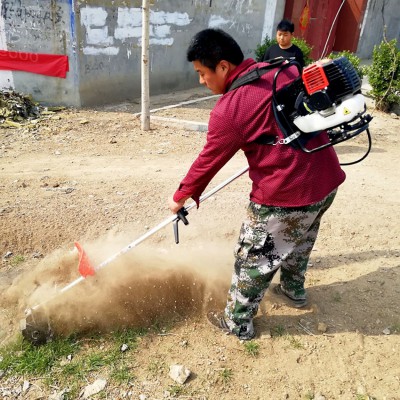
x: 367, y: 152
x: 330, y: 31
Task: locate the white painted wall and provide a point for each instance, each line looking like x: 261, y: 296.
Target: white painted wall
x: 99, y: 40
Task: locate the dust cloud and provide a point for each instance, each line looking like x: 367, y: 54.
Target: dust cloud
x: 147, y: 285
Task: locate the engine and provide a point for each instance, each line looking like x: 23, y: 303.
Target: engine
x: 327, y: 97
x: 332, y: 95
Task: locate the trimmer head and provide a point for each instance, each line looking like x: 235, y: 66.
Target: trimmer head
x: 36, y: 328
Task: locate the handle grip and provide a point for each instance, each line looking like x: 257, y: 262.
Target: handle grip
x: 181, y: 216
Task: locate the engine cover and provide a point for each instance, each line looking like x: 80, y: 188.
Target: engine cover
x: 346, y: 111
x: 330, y: 79
x: 326, y: 97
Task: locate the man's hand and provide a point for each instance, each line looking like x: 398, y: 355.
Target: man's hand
x: 176, y: 206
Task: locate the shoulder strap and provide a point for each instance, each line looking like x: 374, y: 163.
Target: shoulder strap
x: 255, y: 74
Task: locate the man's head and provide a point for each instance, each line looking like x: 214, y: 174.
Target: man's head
x: 284, y: 33
x: 214, y: 54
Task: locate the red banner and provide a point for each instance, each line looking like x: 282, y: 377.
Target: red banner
x: 44, y: 64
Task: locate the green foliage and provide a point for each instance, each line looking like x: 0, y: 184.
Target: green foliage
x: 128, y: 336
x: 365, y: 397
x: 252, y: 348
x: 337, y: 297
x: 18, y: 259
x: 301, y: 43
x: 305, y: 48
x: 156, y: 367
x: 384, y: 75
x: 261, y: 48
x: 226, y: 375
x: 176, y: 390
x: 21, y: 357
x: 396, y: 327
x: 355, y: 61
x: 121, y: 373
x: 295, y: 343
x: 64, y: 361
x: 277, y: 330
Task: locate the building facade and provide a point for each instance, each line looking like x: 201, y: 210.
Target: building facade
x: 102, y: 41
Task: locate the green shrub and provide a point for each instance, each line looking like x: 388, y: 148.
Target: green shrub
x: 355, y: 61
x: 384, y: 75
x: 301, y: 43
x: 305, y: 48
x: 261, y: 48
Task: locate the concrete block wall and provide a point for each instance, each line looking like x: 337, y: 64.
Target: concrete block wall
x: 40, y: 26
x: 110, y: 42
x: 382, y: 17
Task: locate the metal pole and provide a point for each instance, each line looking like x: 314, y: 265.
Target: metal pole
x: 145, y: 116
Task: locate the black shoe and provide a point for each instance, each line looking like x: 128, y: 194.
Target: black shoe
x: 297, y: 303
x: 217, y: 320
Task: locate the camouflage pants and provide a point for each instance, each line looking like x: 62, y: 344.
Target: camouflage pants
x: 271, y: 238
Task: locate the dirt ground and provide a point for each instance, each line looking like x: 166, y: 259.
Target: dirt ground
x: 95, y: 177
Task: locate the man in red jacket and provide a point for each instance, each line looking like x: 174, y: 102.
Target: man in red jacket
x: 291, y: 189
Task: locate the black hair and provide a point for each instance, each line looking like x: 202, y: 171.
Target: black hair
x: 285, y: 26
x: 210, y: 46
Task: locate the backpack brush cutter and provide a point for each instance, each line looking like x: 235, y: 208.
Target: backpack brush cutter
x: 325, y: 98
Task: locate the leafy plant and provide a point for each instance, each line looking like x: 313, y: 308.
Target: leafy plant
x: 396, y: 327
x: 156, y: 367
x: 305, y: 48
x: 176, y: 390
x: 301, y: 43
x: 226, y: 374
x: 295, y: 343
x: 261, y: 48
x: 252, y: 348
x: 355, y: 61
x: 384, y: 75
x: 278, y: 330
x: 18, y: 259
x: 121, y: 374
x: 337, y: 297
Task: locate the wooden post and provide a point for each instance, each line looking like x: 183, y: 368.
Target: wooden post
x: 145, y: 116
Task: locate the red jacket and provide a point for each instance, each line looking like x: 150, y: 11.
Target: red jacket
x: 281, y: 175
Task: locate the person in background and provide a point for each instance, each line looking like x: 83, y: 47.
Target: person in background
x: 291, y: 189
x: 284, y: 48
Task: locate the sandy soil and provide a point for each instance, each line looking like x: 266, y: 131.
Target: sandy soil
x: 95, y: 177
